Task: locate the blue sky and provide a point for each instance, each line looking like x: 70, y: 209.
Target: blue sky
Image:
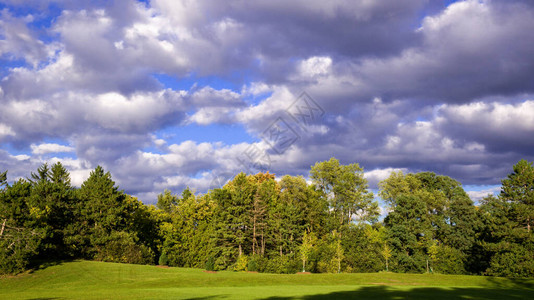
x: 168, y: 94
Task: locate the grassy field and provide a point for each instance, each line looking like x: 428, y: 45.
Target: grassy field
x: 97, y: 280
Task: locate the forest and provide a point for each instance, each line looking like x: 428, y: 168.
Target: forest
x: 259, y: 223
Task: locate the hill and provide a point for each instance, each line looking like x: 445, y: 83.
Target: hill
x: 99, y: 280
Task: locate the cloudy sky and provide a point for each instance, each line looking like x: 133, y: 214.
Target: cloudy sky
x: 169, y: 94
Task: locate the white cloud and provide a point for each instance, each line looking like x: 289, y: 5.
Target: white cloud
x: 19, y: 42
x: 6, y: 130
x: 21, y: 157
x: 478, y: 195
x: 497, y: 117
x: 377, y: 175
x: 50, y: 148
x: 315, y: 66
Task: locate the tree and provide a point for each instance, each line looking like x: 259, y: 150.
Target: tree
x: 106, y: 231
x: 166, y: 201
x: 225, y: 249
x: 386, y: 253
x: 266, y: 192
x: 308, y: 243
x: 339, y: 253
x: 346, y: 190
x: 506, y: 240
x: 331, y: 253
x: 428, y: 209
x: 49, y: 203
x: 3, y: 179
x: 518, y: 191
x: 242, y: 190
x: 409, y: 233
x: 19, y: 241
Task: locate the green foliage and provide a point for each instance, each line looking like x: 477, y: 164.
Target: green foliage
x: 518, y: 192
x: 17, y: 247
x: 254, y: 264
x: 3, y: 179
x: 210, y: 264
x: 307, y: 247
x: 332, y: 255
x: 515, y: 261
x: 20, y: 238
x: 241, y: 264
x: 429, y: 209
x: 506, y: 239
x: 122, y: 247
x: 346, y: 190
x: 163, y: 259
x: 257, y: 223
x: 285, y: 264
x: 167, y: 201
x: 362, y: 246
x: 186, y: 234
x: 447, y: 260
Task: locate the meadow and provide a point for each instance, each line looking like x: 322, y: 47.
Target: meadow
x: 101, y: 280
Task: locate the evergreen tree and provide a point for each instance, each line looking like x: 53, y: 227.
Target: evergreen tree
x: 518, y: 191
x: 19, y: 238
x: 105, y: 231
x: 51, y: 200
x: 167, y: 201
x: 507, y: 240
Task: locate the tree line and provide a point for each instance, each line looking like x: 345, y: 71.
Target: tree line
x: 286, y: 225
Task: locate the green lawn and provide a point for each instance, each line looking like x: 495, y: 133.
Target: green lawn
x: 97, y: 280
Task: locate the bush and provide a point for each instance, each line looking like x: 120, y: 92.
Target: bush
x: 287, y: 264
x: 122, y: 248
x: 447, y: 260
x: 253, y: 264
x: 241, y: 263
x: 515, y: 262
x: 163, y: 259
x: 17, y: 251
x: 210, y: 264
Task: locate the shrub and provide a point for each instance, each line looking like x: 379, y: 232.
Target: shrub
x: 447, y: 260
x: 163, y: 259
x: 210, y: 264
x: 515, y: 262
x: 253, y: 264
x: 241, y: 263
x: 122, y: 248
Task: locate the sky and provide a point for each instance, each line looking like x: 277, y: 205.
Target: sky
x: 169, y: 94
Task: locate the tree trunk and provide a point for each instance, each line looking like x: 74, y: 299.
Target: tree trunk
x: 240, y: 251
x: 254, y: 236
x: 3, y: 227
x: 262, y: 244
x: 280, y: 239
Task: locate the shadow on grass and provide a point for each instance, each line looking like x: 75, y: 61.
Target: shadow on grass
x: 511, y: 283
x: 210, y: 297
x: 37, y: 265
x: 434, y: 293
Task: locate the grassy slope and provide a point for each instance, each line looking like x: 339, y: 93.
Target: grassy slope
x: 97, y: 280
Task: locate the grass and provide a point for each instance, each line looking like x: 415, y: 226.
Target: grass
x: 98, y: 280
